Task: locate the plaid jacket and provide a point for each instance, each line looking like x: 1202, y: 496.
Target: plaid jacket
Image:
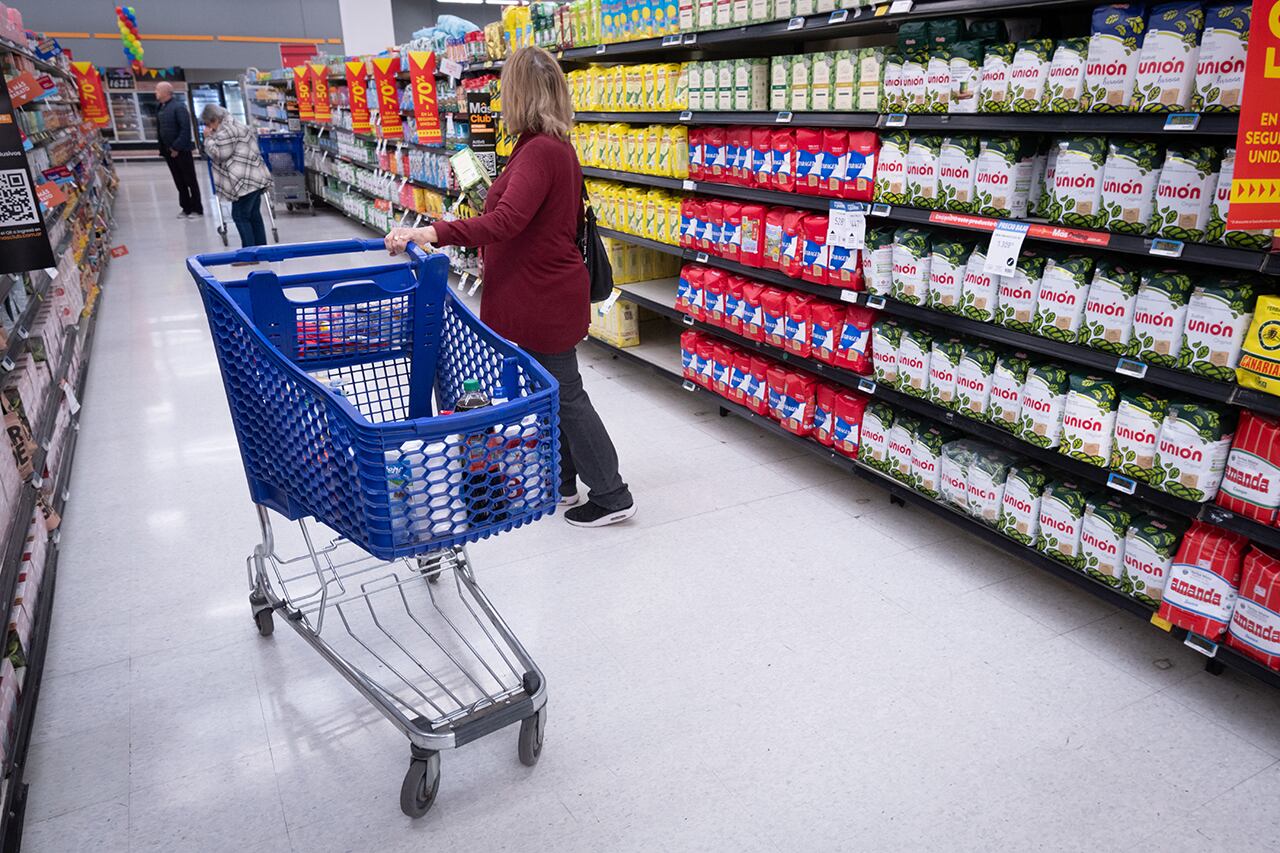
x: 237, y: 163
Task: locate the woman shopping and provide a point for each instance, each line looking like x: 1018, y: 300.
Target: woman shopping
x: 238, y: 171
x: 536, y: 289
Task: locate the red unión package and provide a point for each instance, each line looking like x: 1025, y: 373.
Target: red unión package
x: 774, y: 303
x: 1251, y: 482
x: 697, y: 299
x: 776, y: 385
x: 688, y: 223
x: 761, y: 142
x: 791, y: 261
x: 782, y: 163
x: 853, y: 347
x: 846, y: 429
x: 722, y: 368
x: 795, y: 409
x: 860, y: 165
x: 1255, y: 623
x: 808, y: 160
x: 774, y: 238
x: 689, y: 354
x: 835, y: 156
x: 714, y: 167
x: 824, y: 413
x: 740, y: 379
x: 799, y: 307
x: 816, y: 260
x: 714, y: 283
x: 734, y: 307
x: 826, y: 325
x: 751, y: 235
x: 1200, y: 592
x: 758, y: 401
x: 753, y: 311
x: 706, y: 362
x: 697, y: 153
x: 732, y: 235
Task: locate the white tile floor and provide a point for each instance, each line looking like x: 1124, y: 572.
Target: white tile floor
x: 769, y: 657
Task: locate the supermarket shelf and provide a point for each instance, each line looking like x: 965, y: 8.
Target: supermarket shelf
x: 653, y: 357
x: 1076, y: 238
x: 1208, y: 124
x: 1187, y: 383
x: 46, y: 67
x: 444, y: 147
x: 373, y: 167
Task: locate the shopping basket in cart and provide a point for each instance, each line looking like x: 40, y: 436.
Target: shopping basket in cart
x: 282, y: 152
x: 341, y: 386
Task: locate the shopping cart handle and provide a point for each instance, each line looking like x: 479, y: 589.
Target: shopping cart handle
x: 286, y: 251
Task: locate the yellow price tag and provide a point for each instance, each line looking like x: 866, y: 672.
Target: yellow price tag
x: 1162, y: 624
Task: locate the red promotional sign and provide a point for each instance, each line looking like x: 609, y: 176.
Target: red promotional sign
x: 358, y: 96
x: 302, y: 89
x: 24, y: 89
x: 384, y: 82
x: 50, y: 194
x: 1040, y: 232
x: 1255, y: 186
x: 422, y: 79
x: 320, y: 93
x: 295, y: 54
x: 93, y: 98
x: 119, y: 251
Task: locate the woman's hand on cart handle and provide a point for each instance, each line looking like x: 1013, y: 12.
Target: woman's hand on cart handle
x: 400, y: 238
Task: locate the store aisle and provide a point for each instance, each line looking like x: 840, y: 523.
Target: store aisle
x: 770, y: 656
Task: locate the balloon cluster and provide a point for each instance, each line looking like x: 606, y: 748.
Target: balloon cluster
x: 128, y: 24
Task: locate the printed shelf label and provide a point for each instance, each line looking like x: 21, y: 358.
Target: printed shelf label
x: 1166, y: 248
x: 1131, y: 367
x: 1182, y: 121
x: 1121, y: 483
x: 839, y: 16
x: 1005, y: 247
x: 796, y: 23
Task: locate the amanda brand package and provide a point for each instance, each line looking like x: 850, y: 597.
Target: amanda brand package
x: 1200, y: 593
x: 1251, y: 480
x: 1255, y: 622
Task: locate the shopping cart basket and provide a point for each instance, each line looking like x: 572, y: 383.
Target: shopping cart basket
x: 340, y: 386
x: 282, y: 152
x: 220, y: 216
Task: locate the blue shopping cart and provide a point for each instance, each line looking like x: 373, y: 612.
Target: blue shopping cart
x: 341, y: 386
x: 282, y: 152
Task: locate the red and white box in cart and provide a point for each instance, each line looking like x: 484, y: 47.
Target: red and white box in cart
x: 1255, y: 624
x: 1200, y: 590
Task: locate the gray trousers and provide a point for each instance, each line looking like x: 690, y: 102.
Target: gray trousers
x: 586, y: 450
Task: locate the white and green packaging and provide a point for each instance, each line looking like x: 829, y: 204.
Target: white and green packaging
x: 902, y: 438
x: 1108, y: 310
x: 1191, y: 453
x: 987, y: 476
x: 1167, y: 61
x: 1133, y: 446
x: 1184, y: 194
x: 1112, y: 62
x: 877, y: 261
x: 1016, y: 308
x: 821, y: 81
x: 1002, y: 178
x: 1064, y: 90
x: 937, y: 81
x: 1077, y: 181
x: 1223, y: 49
x: 694, y: 72
x: 1062, y: 508
x: 844, y: 87
x: 1218, y: 316
x: 801, y: 77
x: 1150, y: 544
x: 911, y: 258
x: 870, y: 73
x: 886, y: 337
x: 973, y: 381
x: 980, y: 291
x: 922, y: 170
x: 947, y: 261
x: 892, y: 99
x: 779, y: 83
x: 726, y: 71
x: 1020, y: 506
x: 956, y: 173
x: 1102, y: 539
x: 944, y: 366
x: 873, y: 445
x: 966, y: 76
x: 1006, y: 388
x: 913, y: 82
x: 891, y: 168
x: 914, y: 351
x: 1041, y: 403
x: 1064, y: 288
x: 1089, y: 419
x: 1129, y: 186
x: 1029, y: 74
x: 957, y: 456
x: 1159, y: 315
x: 993, y: 88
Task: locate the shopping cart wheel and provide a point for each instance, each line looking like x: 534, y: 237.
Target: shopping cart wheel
x: 531, y: 737
x: 266, y: 622
x: 418, y: 793
x: 222, y: 232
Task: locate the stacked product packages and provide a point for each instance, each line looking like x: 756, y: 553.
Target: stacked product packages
x: 661, y: 150
x: 630, y: 88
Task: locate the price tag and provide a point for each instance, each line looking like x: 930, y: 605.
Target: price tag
x: 600, y: 48
x: 1203, y: 645
x: 686, y: 115
x: 52, y: 272
x: 1182, y: 121
x: 73, y: 405
x: 796, y: 23
x: 783, y: 117
x: 1131, y: 367
x: 1005, y: 247
x: 701, y: 257
x: 877, y: 302
x: 847, y: 225
x: 1215, y: 514
x: 7, y: 364
x: 688, y: 385
x: 688, y: 185
x: 474, y: 287
x: 1166, y: 248
x: 690, y: 38
x: 839, y: 16
x: 866, y: 386
x: 37, y: 481
x: 1121, y: 483
x: 900, y: 7
x: 895, y: 120
x: 667, y: 41
x: 687, y: 320
x: 23, y: 333
x: 849, y: 296
x: 607, y: 305
x: 881, y: 210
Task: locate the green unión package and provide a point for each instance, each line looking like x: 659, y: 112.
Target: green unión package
x: 956, y: 163
x: 1060, y: 303
x: 1223, y: 50
x: 1192, y: 450
x: 947, y: 262
x: 1129, y: 186
x: 1064, y: 92
x: 877, y: 423
x: 1150, y: 545
x: 994, y: 90
x: 1089, y: 419
x: 1167, y: 61
x: 1159, y: 315
x: 1041, y: 403
x: 1062, y: 509
x: 1102, y: 539
x: 1218, y: 316
x: 1217, y: 229
x: 1017, y: 306
x: 1184, y: 194
x: 1077, y: 181
x: 902, y: 437
x: 1133, y: 447
x: 1108, y: 310
x: 1029, y: 75
x: 1020, y: 510
x: 1006, y: 388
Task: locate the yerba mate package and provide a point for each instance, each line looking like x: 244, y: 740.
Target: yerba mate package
x: 902, y: 437
x: 1184, y: 193
x: 877, y: 261
x: 1149, y: 547
x: 1064, y: 89
x: 1108, y: 309
x: 926, y: 458
x: 1260, y: 356
x: 911, y: 250
x: 1251, y: 480
x: 1223, y: 48
x: 1006, y: 388
x: 1255, y: 623
x: 877, y: 422
x: 1102, y: 539
x: 1076, y: 198
x: 1016, y: 308
x: 947, y: 261
x: 993, y: 86
x: 922, y: 170
x: 973, y: 381
x: 1159, y: 315
x: 987, y: 475
x: 944, y: 367
x: 1089, y: 419
x: 1041, y: 403
x: 1064, y: 288
x: 891, y: 170
x: 1002, y: 179
x: 1167, y: 61
x: 886, y: 337
x: 1062, y: 509
x: 1192, y: 450
x: 956, y: 173
x: 1218, y: 316
x: 1129, y: 182
x: 870, y: 76
x: 914, y: 351
x: 966, y: 76
x: 891, y: 97
x: 1112, y: 64
x: 980, y: 291
x: 1137, y: 429
x: 937, y: 81
x: 913, y: 79
x: 1029, y: 75
x: 957, y: 456
x: 1020, y: 504
x: 1204, y: 580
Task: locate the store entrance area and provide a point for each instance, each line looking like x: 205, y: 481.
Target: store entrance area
x: 769, y: 656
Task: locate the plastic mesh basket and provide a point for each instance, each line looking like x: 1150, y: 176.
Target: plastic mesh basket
x: 282, y: 152
x: 335, y: 381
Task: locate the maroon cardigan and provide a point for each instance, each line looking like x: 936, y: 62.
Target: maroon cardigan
x: 536, y: 290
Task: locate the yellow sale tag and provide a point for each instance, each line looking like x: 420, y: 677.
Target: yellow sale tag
x: 1162, y: 624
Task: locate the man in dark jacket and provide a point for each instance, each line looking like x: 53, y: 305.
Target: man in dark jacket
x: 173, y: 129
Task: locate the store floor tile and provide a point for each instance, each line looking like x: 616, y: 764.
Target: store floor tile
x: 770, y: 656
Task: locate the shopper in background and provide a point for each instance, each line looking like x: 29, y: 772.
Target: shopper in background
x: 238, y: 171
x: 536, y: 292
x: 173, y: 129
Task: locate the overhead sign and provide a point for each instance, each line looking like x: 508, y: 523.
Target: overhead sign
x: 93, y: 99
x: 426, y: 111
x: 1255, y: 187
x: 302, y: 89
x: 23, y: 236
x: 385, y: 69
x: 292, y: 55
x: 320, y: 93
x: 358, y: 96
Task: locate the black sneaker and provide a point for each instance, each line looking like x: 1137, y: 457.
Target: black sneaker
x: 569, y: 495
x: 592, y: 514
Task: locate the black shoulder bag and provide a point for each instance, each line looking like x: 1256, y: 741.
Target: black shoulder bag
x: 599, y: 270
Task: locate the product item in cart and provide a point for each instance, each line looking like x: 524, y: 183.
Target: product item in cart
x: 993, y: 87
x: 973, y: 381
x: 947, y: 262
x: 902, y: 437
x: 1185, y: 193
x: 987, y: 475
x: 1077, y: 181
x: 1108, y: 310
x: 1192, y: 450
x: 1029, y: 75
x: 799, y: 319
x: 1102, y: 538
x: 1217, y: 232
x: 1259, y: 364
x: 911, y: 263
x: 873, y: 449
x: 1041, y: 403
x: 1060, y: 302
x: 926, y: 458
x: 844, y: 83
x: 1204, y: 580
x: 1159, y: 316
x: 944, y: 367
x: 965, y: 72
x: 1112, y: 64
x: 957, y: 456
x: 877, y: 260
x: 891, y: 170
x: 815, y: 254
x: 1218, y: 316
x: 915, y: 348
x: 854, y: 342
x: 1220, y: 67
x: 1062, y: 508
x: 1089, y: 419
x: 1150, y: 544
x: 886, y: 338
x: 1002, y: 178
x: 922, y: 170
x: 937, y: 81
x: 1255, y: 622
x: 1129, y: 183
x: 980, y: 290
x: 1006, y: 388
x: 913, y: 81
x: 1016, y: 308
x: 1064, y: 88
x: 824, y: 406
x: 849, y: 416
x: 1139, y: 416
x: 1167, y: 61
x: 956, y: 161
x: 1251, y: 480
x: 1020, y: 505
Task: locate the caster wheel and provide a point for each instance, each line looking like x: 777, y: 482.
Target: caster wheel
x: 531, y: 737
x: 418, y: 793
x: 265, y: 622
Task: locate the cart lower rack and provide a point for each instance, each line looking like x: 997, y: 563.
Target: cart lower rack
x: 341, y: 386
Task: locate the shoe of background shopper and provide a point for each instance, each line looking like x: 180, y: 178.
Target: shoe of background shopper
x: 183, y: 215
x: 569, y: 495
x: 593, y: 515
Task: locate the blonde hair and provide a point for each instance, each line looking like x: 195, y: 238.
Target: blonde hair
x: 535, y: 95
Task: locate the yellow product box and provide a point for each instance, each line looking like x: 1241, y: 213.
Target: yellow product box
x: 1259, y: 365
x: 652, y: 164
x: 679, y: 141
x: 619, y: 325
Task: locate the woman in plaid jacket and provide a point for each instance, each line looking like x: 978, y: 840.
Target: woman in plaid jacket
x: 238, y: 170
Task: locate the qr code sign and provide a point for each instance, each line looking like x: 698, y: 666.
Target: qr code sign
x: 17, y: 202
